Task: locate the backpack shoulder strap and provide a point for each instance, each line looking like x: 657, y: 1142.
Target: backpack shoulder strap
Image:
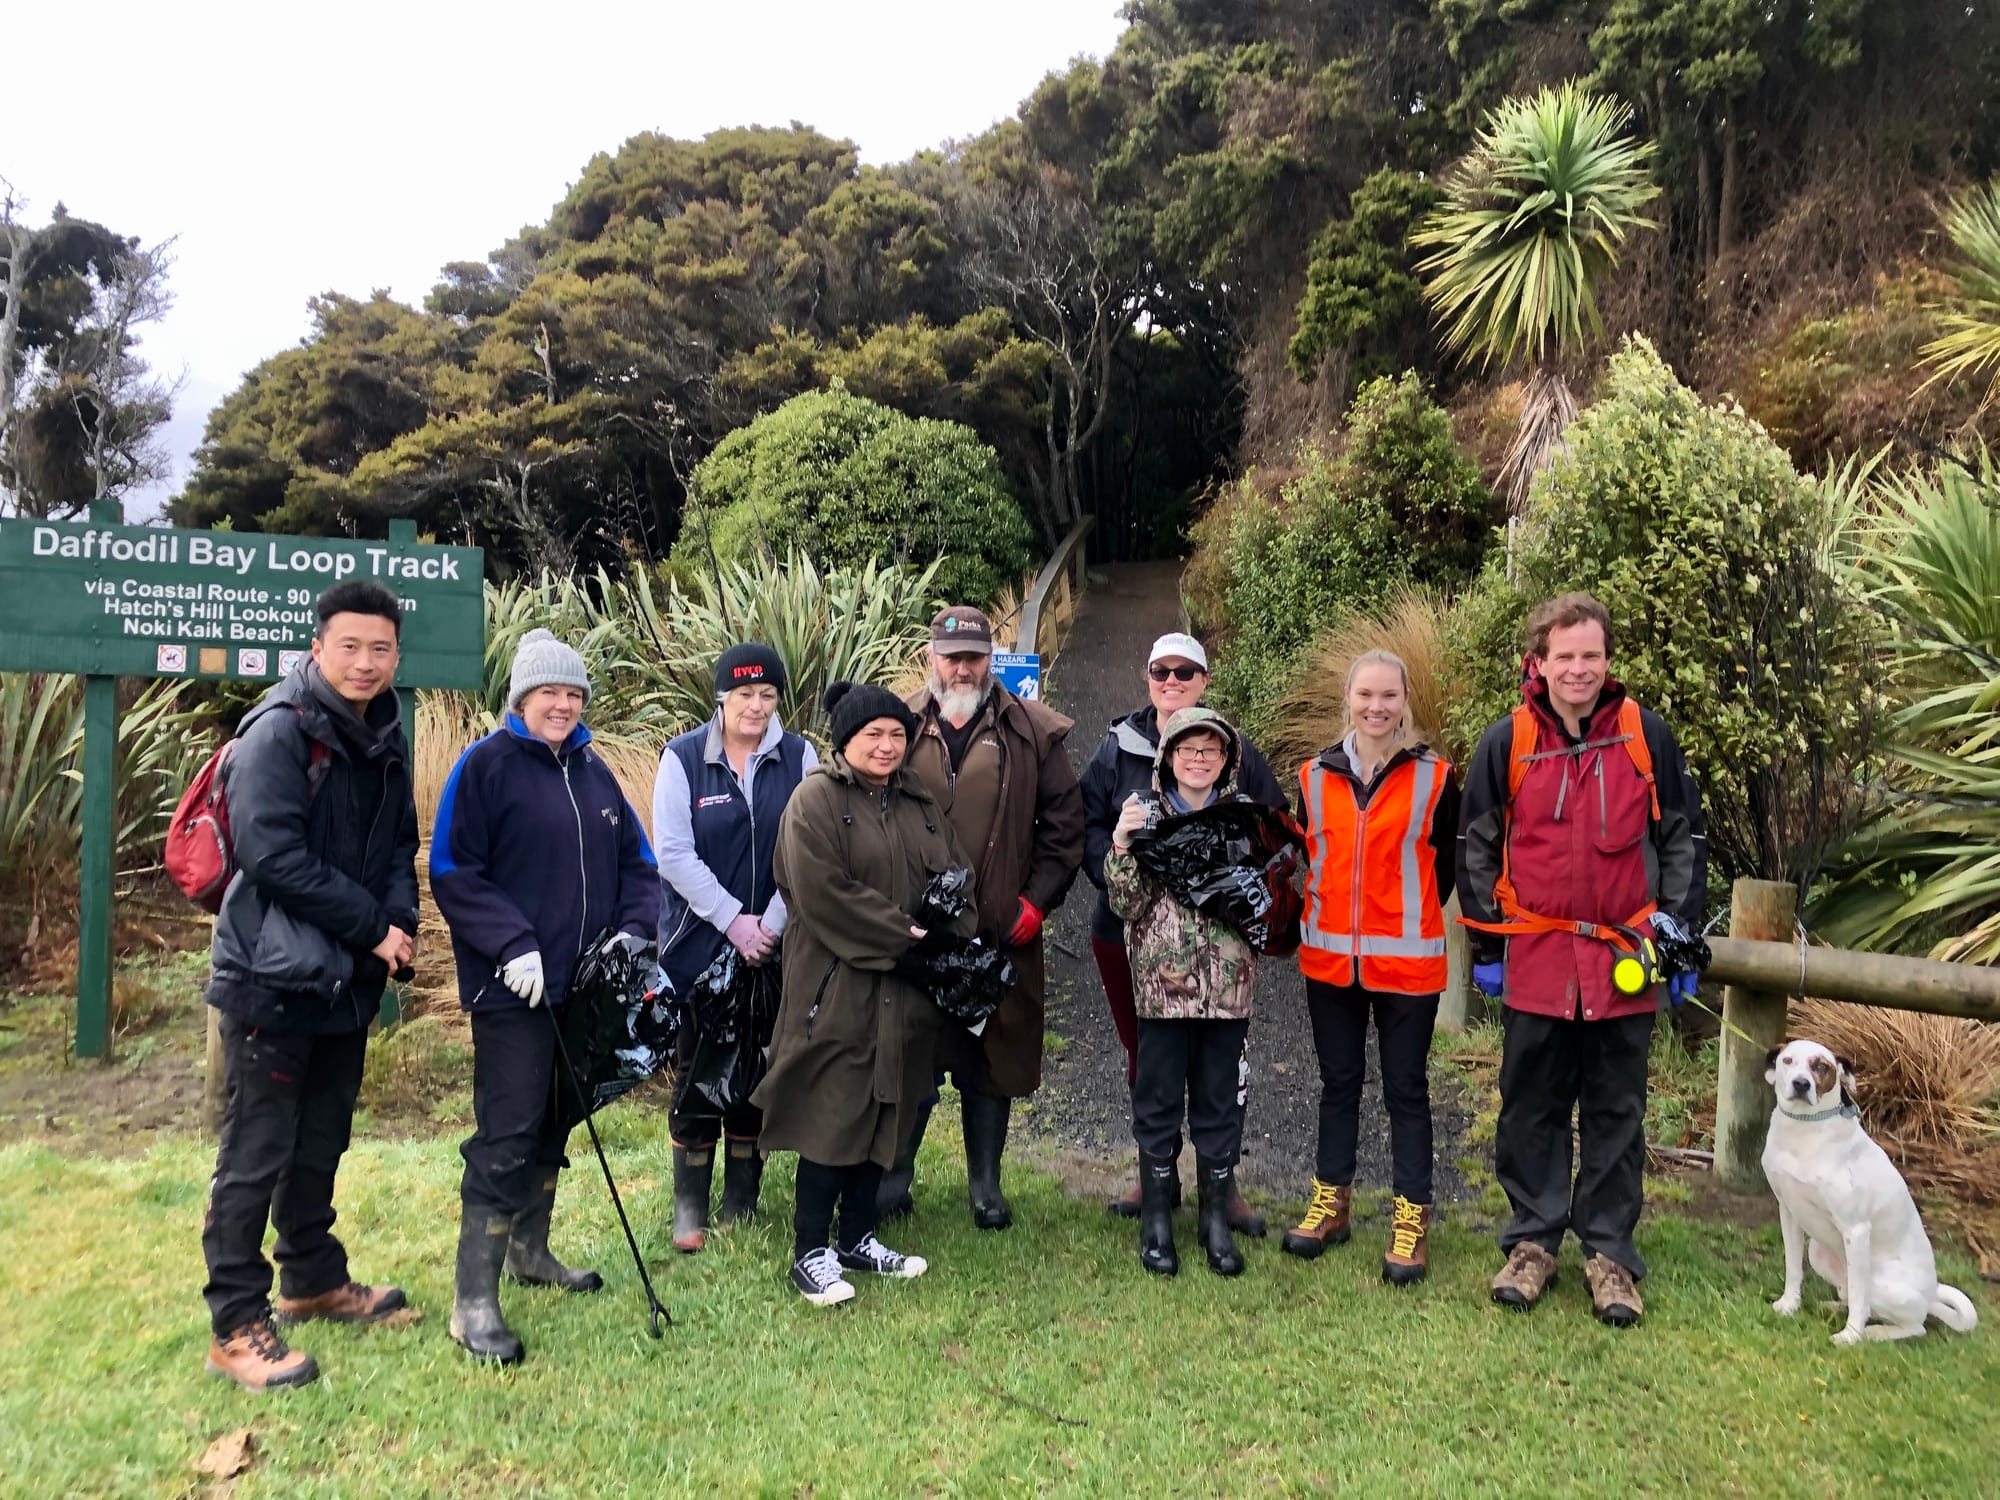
x: 1633, y: 729
x: 1525, y: 737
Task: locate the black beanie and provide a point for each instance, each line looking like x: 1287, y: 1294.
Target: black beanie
x: 748, y: 665
x: 852, y: 706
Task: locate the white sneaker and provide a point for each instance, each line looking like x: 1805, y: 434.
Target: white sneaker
x: 817, y: 1276
x: 872, y: 1255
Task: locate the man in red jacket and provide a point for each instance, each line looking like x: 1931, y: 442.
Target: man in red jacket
x: 1580, y: 834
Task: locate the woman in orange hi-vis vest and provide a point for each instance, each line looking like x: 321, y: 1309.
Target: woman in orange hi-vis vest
x: 1382, y: 822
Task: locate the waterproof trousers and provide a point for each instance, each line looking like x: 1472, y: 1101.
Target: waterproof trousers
x: 287, y: 1112
x: 515, y: 1132
x: 1403, y: 1027
x: 1595, y: 1070
x: 1196, y: 1068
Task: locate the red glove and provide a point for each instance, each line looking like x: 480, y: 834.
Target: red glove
x: 1027, y: 926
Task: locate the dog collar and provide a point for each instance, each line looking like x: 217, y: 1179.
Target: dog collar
x: 1833, y: 1112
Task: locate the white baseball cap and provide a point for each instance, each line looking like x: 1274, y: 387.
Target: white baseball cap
x: 1179, y: 643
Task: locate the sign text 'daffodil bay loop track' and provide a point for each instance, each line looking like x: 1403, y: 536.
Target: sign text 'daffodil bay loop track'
x: 145, y: 601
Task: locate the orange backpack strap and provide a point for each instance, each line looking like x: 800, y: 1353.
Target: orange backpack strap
x: 1522, y: 750
x: 1634, y: 731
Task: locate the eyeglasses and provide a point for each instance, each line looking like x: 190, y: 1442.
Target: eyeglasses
x: 1199, y: 752
x: 1184, y: 674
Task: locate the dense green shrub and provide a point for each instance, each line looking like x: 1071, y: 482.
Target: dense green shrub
x: 849, y: 481
x: 1397, y: 503
x: 1362, y: 295
x: 1729, y: 616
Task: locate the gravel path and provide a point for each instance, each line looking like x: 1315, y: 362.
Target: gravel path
x: 1081, y: 1115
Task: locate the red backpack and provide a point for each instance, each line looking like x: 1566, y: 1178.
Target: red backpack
x: 198, y: 853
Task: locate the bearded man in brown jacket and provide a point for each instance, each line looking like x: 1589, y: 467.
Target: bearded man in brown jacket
x: 996, y: 765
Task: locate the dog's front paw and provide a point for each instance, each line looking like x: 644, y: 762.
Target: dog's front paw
x: 1787, y: 1305
x: 1848, y: 1335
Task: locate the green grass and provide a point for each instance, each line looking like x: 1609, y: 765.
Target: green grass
x: 1038, y: 1360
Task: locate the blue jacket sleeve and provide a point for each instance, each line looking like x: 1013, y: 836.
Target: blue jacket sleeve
x: 479, y: 913
x: 638, y: 879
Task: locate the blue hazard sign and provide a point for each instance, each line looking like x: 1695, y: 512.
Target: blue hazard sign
x: 1020, y: 675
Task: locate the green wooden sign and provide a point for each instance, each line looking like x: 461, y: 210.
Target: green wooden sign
x: 147, y: 601
x: 105, y: 600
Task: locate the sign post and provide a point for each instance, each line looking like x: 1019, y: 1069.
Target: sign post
x: 104, y: 600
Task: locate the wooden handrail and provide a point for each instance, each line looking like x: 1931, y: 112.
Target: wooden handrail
x: 1068, y: 553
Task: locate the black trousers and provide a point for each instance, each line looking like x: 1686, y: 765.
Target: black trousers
x: 514, y: 1128
x: 1403, y: 1027
x: 820, y: 1188
x: 1197, y: 1067
x: 690, y: 1120
x: 1550, y: 1068
x: 287, y: 1113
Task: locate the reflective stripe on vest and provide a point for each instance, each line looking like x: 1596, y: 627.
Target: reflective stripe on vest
x: 1408, y: 959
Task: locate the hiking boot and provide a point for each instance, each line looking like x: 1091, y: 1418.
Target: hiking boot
x: 1216, y: 1185
x: 892, y: 1198
x: 742, y: 1177
x: 476, y: 1321
x: 256, y: 1358
x: 529, y: 1260
x: 349, y: 1303
x: 872, y: 1255
x: 1244, y: 1219
x: 1530, y: 1271
x: 817, y: 1276
x: 694, y: 1175
x: 1158, y: 1179
x: 985, y: 1117
x: 1327, y: 1222
x: 1408, y: 1257
x: 1614, y: 1296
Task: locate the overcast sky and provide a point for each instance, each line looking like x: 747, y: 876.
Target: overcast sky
x: 296, y: 149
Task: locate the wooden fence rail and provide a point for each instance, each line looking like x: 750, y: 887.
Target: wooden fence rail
x: 1763, y: 965
x: 1068, y: 554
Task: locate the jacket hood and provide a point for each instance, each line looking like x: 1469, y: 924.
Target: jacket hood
x: 1535, y: 693
x: 1198, y: 720
x: 905, y: 780
x: 327, y: 717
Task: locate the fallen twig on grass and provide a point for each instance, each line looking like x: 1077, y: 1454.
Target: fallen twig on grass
x: 955, y: 1356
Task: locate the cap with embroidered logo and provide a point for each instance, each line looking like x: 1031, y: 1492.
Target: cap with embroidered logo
x: 1179, y: 643
x: 961, y: 630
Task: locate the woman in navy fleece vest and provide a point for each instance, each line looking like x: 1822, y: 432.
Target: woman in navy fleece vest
x: 716, y: 803
x: 535, y: 853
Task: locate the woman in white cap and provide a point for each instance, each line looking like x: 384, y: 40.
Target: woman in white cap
x: 535, y: 852
x: 1176, y: 677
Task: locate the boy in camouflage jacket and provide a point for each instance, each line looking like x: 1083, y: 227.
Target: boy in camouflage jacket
x: 1191, y: 979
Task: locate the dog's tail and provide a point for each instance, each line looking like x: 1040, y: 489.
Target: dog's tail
x: 1954, y: 1309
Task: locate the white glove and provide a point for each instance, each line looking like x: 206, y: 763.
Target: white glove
x: 523, y: 976
x: 629, y: 943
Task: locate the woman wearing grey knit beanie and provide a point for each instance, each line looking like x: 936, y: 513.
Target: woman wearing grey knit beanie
x: 535, y: 853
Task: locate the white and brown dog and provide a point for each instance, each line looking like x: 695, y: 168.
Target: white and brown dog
x: 1843, y: 1205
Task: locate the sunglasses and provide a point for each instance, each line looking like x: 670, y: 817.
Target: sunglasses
x: 1183, y: 674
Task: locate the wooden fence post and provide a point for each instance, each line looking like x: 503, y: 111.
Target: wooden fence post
x: 1460, y: 1005
x: 1768, y: 910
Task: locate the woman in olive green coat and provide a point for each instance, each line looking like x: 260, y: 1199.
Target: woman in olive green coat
x: 851, y: 1056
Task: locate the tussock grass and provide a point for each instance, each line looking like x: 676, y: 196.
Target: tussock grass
x: 1040, y: 1360
x: 1313, y: 714
x: 1922, y: 1080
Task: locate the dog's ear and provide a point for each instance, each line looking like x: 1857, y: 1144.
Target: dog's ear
x: 1771, y: 1064
x: 1847, y: 1072
x: 1847, y: 1065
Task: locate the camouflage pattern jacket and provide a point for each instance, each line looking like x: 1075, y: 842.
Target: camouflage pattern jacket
x: 1185, y: 966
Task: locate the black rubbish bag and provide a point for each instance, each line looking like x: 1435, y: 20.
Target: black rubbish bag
x: 1233, y: 861
x: 617, y: 1021
x: 734, y: 1009
x: 965, y: 976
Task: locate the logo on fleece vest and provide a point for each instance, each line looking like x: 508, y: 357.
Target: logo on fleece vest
x: 720, y: 799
